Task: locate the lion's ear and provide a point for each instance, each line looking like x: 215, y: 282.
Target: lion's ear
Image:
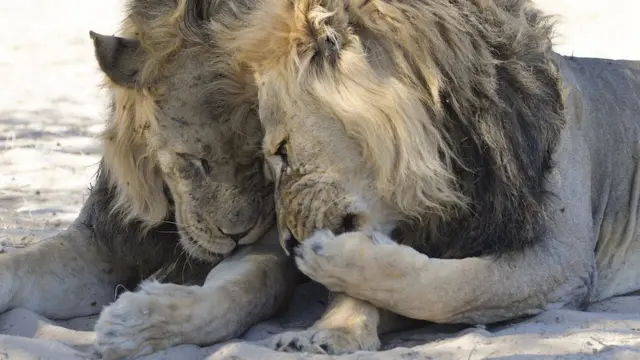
x: 119, y: 58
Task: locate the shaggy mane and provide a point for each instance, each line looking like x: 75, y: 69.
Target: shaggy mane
x: 457, y: 104
x: 163, y: 28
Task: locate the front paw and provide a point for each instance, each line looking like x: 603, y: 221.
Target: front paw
x: 323, y: 341
x: 337, y: 262
x: 145, y: 321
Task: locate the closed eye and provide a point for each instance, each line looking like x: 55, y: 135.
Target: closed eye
x: 282, y: 151
x: 201, y: 164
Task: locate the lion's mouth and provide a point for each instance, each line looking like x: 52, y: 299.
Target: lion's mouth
x: 196, y: 249
x: 212, y: 248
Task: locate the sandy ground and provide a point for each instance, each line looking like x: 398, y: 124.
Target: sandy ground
x: 51, y: 111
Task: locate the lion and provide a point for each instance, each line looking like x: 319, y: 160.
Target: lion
x: 435, y: 160
x: 180, y: 192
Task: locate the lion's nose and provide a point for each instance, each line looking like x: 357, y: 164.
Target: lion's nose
x: 237, y: 236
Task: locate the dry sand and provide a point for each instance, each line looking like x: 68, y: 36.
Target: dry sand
x: 51, y: 109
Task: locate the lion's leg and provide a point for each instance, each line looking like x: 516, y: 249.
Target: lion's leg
x: 348, y: 325
x: 62, y: 277
x: 471, y: 290
x: 242, y: 290
x: 75, y: 273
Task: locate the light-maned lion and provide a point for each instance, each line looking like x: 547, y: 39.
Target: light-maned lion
x: 460, y: 171
x: 179, y: 188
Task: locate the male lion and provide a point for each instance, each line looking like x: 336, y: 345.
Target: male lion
x: 459, y: 171
x: 179, y: 187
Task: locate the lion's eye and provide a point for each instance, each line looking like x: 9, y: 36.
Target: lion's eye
x: 277, y: 163
x: 282, y: 151
x: 199, y: 163
x: 203, y: 165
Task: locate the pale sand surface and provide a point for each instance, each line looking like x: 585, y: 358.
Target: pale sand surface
x: 51, y: 110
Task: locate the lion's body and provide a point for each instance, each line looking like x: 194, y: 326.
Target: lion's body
x: 179, y: 189
x: 508, y: 172
x: 603, y: 108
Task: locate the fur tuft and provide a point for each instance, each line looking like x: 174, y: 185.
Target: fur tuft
x: 129, y: 162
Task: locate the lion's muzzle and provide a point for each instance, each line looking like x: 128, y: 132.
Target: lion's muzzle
x: 311, y: 202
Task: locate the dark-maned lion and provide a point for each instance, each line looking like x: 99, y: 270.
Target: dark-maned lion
x: 509, y: 173
x: 179, y: 188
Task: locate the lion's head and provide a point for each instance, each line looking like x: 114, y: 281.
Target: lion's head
x: 436, y: 117
x: 184, y: 136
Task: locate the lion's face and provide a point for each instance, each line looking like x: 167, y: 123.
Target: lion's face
x: 321, y: 177
x: 209, y: 157
x: 185, y: 140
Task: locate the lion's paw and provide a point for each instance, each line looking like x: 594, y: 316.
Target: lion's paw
x: 145, y: 321
x: 337, y: 262
x: 323, y: 341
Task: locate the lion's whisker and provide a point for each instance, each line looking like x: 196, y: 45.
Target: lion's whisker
x: 176, y: 223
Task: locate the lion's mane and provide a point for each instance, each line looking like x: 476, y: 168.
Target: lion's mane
x: 469, y: 162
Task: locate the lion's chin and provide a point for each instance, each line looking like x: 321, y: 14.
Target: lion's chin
x: 204, y: 251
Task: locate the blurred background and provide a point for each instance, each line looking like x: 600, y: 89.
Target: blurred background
x: 52, y: 107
